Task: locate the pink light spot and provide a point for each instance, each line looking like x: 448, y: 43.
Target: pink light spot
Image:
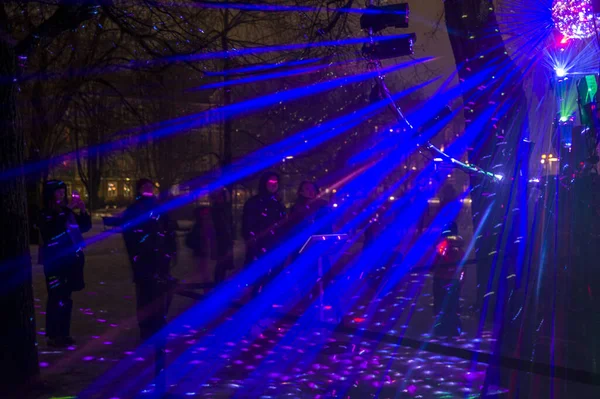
x: 107, y: 343
x: 42, y: 332
x: 195, y: 362
x: 128, y: 353
x: 114, y: 325
x: 139, y: 359
x: 95, y: 336
x: 88, y: 358
x: 412, y: 389
x: 42, y: 312
x: 101, y: 320
x: 71, y: 348
x: 44, y: 364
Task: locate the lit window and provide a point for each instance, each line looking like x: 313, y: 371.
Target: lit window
x: 112, y: 190
x: 127, y: 190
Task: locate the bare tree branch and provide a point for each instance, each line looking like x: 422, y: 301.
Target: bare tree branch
x: 66, y: 17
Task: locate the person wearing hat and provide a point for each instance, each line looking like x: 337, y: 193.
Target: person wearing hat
x: 61, y: 225
x: 263, y: 221
x: 151, y: 245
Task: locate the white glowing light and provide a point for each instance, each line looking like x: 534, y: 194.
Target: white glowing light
x: 561, y: 72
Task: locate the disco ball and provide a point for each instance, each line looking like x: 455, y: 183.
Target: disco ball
x: 574, y: 18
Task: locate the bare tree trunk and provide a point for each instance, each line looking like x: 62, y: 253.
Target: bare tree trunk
x: 227, y: 158
x: 19, y: 362
x: 95, y: 169
x: 496, y: 117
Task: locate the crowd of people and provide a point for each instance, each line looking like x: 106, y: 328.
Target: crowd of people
x: 151, y: 244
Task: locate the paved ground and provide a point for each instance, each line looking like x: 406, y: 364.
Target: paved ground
x: 234, y: 356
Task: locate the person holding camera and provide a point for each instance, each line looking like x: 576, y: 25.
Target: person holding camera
x: 61, y: 224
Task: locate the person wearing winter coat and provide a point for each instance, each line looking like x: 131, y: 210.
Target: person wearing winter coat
x: 151, y: 245
x: 446, y: 282
x: 263, y: 220
x: 61, y: 225
x: 201, y: 241
x: 223, y: 224
x: 308, y: 209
